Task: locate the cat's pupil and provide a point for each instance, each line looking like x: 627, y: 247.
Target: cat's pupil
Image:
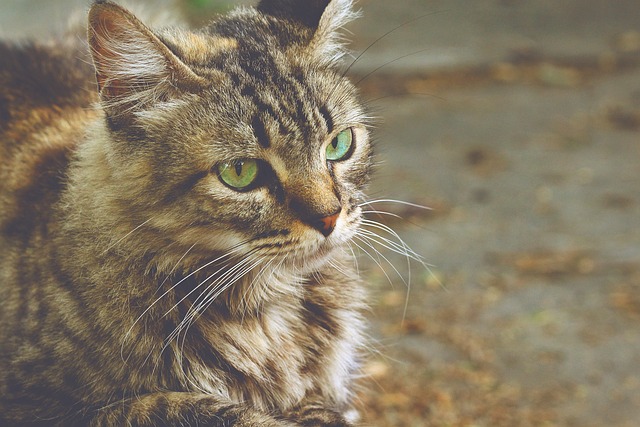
x: 239, y: 166
x: 334, y: 143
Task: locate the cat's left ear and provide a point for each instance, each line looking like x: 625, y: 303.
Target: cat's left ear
x: 134, y: 68
x: 324, y: 18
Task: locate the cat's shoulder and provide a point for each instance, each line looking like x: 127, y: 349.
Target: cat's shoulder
x: 43, y: 76
x: 46, y: 98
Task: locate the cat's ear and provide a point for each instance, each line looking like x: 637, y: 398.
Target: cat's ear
x: 324, y: 17
x: 134, y: 68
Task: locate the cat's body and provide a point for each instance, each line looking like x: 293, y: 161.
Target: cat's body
x: 149, y: 275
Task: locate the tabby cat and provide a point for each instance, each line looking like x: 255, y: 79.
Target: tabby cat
x: 174, y: 230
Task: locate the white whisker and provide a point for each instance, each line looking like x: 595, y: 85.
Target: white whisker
x: 337, y: 267
x: 369, y: 233
x: 400, y: 202
x: 399, y: 247
x: 213, y: 291
x: 195, y: 288
x: 216, y: 288
x: 219, y: 286
x: 250, y: 287
x: 128, y: 333
x: 195, y: 310
x: 368, y: 241
x: 355, y: 259
x: 382, y: 213
x: 378, y: 263
x: 125, y: 236
x: 178, y: 263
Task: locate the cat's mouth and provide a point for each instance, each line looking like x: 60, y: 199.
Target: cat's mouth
x: 307, y: 249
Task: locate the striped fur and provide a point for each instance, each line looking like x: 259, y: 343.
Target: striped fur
x: 137, y: 288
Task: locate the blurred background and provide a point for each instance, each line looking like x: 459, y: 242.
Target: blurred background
x: 518, y: 123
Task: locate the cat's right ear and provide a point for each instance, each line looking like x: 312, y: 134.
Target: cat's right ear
x: 324, y: 18
x: 134, y: 68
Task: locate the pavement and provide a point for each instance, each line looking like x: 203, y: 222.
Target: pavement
x: 518, y: 123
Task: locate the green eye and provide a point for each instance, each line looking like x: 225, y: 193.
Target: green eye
x: 340, y: 147
x: 238, y: 174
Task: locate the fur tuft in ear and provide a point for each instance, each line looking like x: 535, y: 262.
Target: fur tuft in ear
x: 324, y: 17
x: 134, y: 68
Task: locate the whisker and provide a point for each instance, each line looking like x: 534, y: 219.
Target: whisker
x: 369, y: 241
x: 175, y: 267
x: 214, y: 288
x: 400, y: 202
x: 378, y: 262
x: 370, y: 73
x: 337, y: 267
x: 192, y: 315
x: 355, y: 258
x: 233, y: 250
x: 378, y: 212
x: 125, y: 236
x: 407, y: 94
x: 278, y: 267
x: 403, y: 246
x: 390, y: 245
x: 250, y: 286
x: 219, y: 285
x: 391, y: 31
x: 211, y: 276
x: 396, y: 244
x: 400, y: 248
x: 226, y: 284
x: 406, y: 282
x: 213, y: 292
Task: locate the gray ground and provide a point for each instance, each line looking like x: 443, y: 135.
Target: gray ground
x: 518, y: 123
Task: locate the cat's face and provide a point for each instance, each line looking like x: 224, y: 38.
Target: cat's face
x: 278, y: 167
x: 241, y: 137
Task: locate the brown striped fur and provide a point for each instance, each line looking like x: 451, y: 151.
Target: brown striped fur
x: 137, y: 288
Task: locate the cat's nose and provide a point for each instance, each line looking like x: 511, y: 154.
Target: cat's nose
x: 327, y: 224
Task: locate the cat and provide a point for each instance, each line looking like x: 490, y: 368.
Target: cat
x: 175, y: 216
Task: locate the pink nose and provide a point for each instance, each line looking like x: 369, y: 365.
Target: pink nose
x: 327, y: 224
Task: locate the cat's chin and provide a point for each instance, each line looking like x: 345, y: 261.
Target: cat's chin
x: 316, y: 261
x: 318, y: 253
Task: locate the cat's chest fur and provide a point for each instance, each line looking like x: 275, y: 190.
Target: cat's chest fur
x: 289, y: 350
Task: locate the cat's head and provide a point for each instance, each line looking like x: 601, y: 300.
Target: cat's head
x: 243, y: 136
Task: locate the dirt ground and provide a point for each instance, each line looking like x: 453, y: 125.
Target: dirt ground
x: 518, y: 124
